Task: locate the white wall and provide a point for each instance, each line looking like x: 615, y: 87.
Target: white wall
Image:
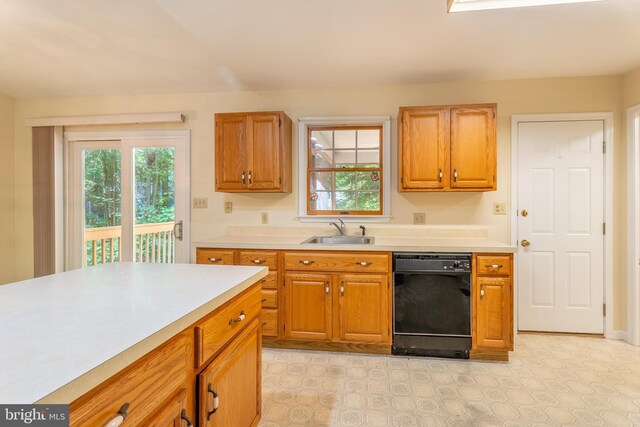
x: 560, y: 95
x: 7, y: 188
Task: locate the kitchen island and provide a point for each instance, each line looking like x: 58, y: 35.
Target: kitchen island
x: 132, y: 336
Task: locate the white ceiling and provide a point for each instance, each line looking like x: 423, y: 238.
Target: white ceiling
x: 111, y: 47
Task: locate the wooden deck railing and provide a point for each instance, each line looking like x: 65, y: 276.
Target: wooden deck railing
x: 153, y: 243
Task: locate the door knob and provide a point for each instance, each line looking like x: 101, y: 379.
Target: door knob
x: 524, y: 212
x: 525, y: 243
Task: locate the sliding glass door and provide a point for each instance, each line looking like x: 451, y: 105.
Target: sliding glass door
x: 127, y: 200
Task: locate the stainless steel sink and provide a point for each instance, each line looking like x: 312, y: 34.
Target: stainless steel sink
x: 340, y: 240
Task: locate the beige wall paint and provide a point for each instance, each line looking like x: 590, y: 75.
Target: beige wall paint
x: 631, y: 88
x: 562, y: 95
x: 7, y: 188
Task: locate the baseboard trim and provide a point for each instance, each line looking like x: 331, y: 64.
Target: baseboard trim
x: 491, y: 355
x: 618, y: 335
x: 327, y: 346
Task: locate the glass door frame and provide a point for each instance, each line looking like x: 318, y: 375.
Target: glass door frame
x: 74, y: 145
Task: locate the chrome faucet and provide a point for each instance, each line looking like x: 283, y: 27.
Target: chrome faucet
x: 341, y: 228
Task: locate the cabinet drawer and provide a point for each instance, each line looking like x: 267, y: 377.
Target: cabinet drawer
x: 269, y: 323
x: 213, y: 333
x: 260, y: 258
x: 214, y: 256
x: 493, y: 265
x: 144, y: 385
x: 269, y: 298
x: 271, y: 281
x: 351, y: 262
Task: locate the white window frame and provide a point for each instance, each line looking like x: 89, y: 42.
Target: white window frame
x: 303, y: 156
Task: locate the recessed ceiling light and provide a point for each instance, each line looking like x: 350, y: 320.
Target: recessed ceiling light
x: 470, y: 5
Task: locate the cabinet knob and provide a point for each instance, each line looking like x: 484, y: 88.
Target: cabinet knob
x: 306, y: 261
x: 214, y: 259
x: 342, y: 288
x: 216, y: 401
x: 440, y: 175
x: 118, y: 419
x: 481, y: 291
x: 363, y: 263
x: 249, y: 177
x: 495, y: 266
x: 455, y: 175
x: 326, y: 287
x: 243, y: 177
x: 183, y: 416
x: 258, y: 261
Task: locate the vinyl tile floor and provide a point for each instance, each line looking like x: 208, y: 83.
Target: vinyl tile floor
x: 549, y: 381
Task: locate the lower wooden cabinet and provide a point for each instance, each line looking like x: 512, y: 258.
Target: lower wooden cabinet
x: 363, y: 306
x: 229, y: 388
x: 337, y: 307
x: 308, y: 306
x: 492, y: 302
x: 172, y: 414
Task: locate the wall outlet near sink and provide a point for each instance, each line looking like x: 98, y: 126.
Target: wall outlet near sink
x: 228, y: 207
x: 499, y: 208
x: 200, y: 202
x: 419, y: 218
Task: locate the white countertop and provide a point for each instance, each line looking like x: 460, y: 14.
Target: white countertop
x: 61, y: 335
x: 382, y: 243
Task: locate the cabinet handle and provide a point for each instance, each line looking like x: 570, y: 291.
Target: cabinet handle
x: 363, y: 263
x: 249, y: 177
x: 214, y: 259
x: 264, y: 300
x: 493, y: 265
x: 183, y: 416
x: 306, y: 261
x: 243, y: 177
x: 326, y: 287
x: 342, y: 288
x: 440, y: 175
x: 258, y: 261
x: 215, y: 401
x: 118, y: 419
x: 455, y: 175
x: 238, y: 319
x: 481, y: 291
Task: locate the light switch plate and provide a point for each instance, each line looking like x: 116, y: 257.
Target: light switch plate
x: 228, y: 207
x: 200, y: 203
x: 419, y: 218
x: 499, y: 208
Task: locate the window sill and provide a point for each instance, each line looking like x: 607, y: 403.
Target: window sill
x: 346, y: 218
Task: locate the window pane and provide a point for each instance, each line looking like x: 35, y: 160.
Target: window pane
x: 368, y: 180
x: 345, y: 181
x: 345, y: 200
x: 321, y: 200
x: 322, y: 139
x: 321, y: 158
x: 368, y: 158
x: 369, y: 201
x: 345, y: 158
x: 344, y: 138
x: 369, y: 138
x: 321, y: 181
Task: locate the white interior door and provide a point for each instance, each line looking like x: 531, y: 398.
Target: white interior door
x: 561, y: 188
x: 127, y: 199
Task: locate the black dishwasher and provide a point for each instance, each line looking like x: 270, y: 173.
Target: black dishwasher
x: 432, y: 304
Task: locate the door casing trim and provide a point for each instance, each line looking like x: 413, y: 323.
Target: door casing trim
x: 607, y: 118
x: 633, y: 218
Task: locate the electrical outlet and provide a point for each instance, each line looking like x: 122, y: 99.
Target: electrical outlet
x: 200, y: 202
x: 228, y: 207
x: 265, y: 217
x: 419, y: 218
x: 499, y: 208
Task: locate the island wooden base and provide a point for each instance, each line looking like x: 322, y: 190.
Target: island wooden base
x: 327, y: 346
x: 494, y: 355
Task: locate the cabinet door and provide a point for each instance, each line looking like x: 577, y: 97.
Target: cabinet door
x: 423, y: 159
x: 494, y: 314
x: 308, y: 306
x: 264, y: 153
x: 473, y: 147
x: 364, y: 308
x: 229, y: 388
x: 231, y: 162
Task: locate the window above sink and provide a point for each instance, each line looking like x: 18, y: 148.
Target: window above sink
x: 344, y: 168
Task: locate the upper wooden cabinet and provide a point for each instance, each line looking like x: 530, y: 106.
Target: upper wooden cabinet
x: 253, y: 152
x: 447, y: 148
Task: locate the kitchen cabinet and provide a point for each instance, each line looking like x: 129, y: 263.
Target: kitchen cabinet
x: 271, y: 293
x: 253, y: 152
x: 160, y: 388
x: 229, y: 387
x: 338, y: 297
x: 308, y: 306
x: 447, y: 148
x: 492, y: 302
